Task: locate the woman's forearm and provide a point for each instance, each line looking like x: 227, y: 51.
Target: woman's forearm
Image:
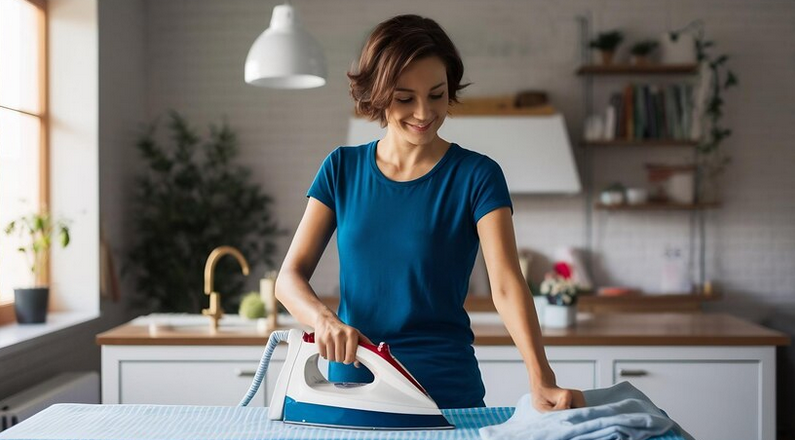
x: 293, y: 290
x: 513, y: 303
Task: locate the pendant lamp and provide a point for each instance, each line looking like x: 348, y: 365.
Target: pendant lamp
x: 285, y: 56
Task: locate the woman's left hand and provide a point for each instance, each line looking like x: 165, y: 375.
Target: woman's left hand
x: 552, y: 398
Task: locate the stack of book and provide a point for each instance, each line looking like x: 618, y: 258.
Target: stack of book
x: 650, y: 111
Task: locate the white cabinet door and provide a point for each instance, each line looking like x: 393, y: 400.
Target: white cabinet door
x: 710, y: 400
x: 215, y: 383
x: 507, y: 381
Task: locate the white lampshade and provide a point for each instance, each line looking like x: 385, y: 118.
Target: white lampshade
x: 285, y: 56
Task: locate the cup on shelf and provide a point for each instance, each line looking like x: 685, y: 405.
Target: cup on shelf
x: 611, y: 197
x: 637, y: 196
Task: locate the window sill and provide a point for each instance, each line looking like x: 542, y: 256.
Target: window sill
x: 13, y: 334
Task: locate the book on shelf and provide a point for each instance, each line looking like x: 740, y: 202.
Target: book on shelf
x: 649, y: 112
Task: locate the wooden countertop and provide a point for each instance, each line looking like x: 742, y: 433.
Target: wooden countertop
x: 678, y: 329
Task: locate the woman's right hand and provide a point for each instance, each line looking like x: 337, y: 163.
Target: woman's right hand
x: 336, y: 341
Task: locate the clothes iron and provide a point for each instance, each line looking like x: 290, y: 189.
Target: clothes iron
x: 395, y: 400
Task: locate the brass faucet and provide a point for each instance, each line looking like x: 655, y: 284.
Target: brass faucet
x: 215, y: 312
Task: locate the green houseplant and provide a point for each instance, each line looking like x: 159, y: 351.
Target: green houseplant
x: 36, y: 230
x: 191, y: 199
x: 641, y: 50
x: 711, y: 159
x: 606, y: 43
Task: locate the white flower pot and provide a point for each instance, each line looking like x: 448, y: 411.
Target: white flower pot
x: 559, y: 316
x: 541, y: 303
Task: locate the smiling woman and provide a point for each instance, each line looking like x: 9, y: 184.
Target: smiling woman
x: 410, y: 211
x: 23, y: 137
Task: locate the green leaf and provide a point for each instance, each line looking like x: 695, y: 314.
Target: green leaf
x: 38, y: 223
x: 731, y: 80
x: 64, y: 236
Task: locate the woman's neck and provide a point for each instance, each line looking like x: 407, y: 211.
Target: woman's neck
x: 404, y: 156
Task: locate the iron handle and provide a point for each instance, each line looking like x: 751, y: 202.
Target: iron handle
x: 632, y: 373
x: 244, y: 373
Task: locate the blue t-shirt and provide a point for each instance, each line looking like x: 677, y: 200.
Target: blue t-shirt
x: 406, y: 252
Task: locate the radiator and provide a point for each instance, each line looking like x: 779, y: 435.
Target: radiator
x: 77, y: 387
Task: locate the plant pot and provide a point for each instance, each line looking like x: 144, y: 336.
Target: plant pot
x: 540, y: 302
x: 607, y: 57
x: 30, y: 305
x: 556, y: 316
x: 640, y: 60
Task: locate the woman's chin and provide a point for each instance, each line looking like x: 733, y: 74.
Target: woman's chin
x: 420, y: 138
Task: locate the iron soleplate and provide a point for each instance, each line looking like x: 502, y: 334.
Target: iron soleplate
x: 300, y: 413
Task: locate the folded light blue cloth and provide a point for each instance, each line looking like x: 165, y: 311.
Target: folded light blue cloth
x: 620, y: 412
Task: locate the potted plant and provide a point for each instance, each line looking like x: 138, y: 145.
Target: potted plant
x: 606, y: 43
x: 613, y: 194
x: 641, y: 50
x: 37, y: 230
x: 561, y: 292
x: 711, y: 161
x: 193, y: 195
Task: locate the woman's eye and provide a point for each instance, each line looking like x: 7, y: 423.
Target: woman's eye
x: 407, y: 100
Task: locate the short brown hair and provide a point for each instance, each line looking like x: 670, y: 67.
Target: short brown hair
x: 389, y: 49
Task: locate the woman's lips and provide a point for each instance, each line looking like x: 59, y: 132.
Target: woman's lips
x: 419, y: 128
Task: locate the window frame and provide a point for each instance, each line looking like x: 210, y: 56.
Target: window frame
x: 7, y: 314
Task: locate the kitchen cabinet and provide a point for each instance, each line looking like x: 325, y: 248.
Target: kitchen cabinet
x: 713, y: 392
x: 185, y: 375
x: 727, y: 391
x: 713, y: 373
x: 506, y: 379
x: 696, y: 386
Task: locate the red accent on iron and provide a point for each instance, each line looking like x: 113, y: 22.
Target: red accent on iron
x: 309, y: 337
x: 383, y: 351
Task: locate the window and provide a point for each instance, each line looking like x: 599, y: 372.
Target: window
x: 23, y: 131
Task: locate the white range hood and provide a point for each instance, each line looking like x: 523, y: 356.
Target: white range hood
x: 534, y: 151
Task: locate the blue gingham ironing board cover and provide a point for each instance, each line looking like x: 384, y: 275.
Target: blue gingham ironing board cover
x: 179, y: 422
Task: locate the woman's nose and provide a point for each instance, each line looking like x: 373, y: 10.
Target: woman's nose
x: 423, y: 110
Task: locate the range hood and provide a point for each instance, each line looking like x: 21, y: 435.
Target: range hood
x: 534, y: 151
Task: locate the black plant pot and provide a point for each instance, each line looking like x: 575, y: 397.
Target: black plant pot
x: 30, y: 305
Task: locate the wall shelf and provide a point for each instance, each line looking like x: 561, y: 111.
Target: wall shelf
x: 641, y: 143
x: 638, y: 303
x: 661, y: 206
x: 629, y: 69
x: 590, y: 74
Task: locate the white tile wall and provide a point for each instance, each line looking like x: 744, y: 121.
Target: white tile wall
x: 195, y: 52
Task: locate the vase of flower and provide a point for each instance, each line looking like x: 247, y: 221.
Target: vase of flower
x: 556, y: 316
x: 561, y: 292
x: 540, y: 302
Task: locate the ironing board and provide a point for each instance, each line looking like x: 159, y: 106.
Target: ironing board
x: 164, y: 422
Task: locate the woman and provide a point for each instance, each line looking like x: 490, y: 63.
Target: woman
x: 410, y: 210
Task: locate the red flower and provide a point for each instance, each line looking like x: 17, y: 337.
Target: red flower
x: 563, y: 269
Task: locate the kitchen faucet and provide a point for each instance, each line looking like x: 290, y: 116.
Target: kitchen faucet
x: 215, y: 312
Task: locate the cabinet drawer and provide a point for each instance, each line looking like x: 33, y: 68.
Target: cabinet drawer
x: 507, y: 381
x: 710, y: 400
x: 214, y: 383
